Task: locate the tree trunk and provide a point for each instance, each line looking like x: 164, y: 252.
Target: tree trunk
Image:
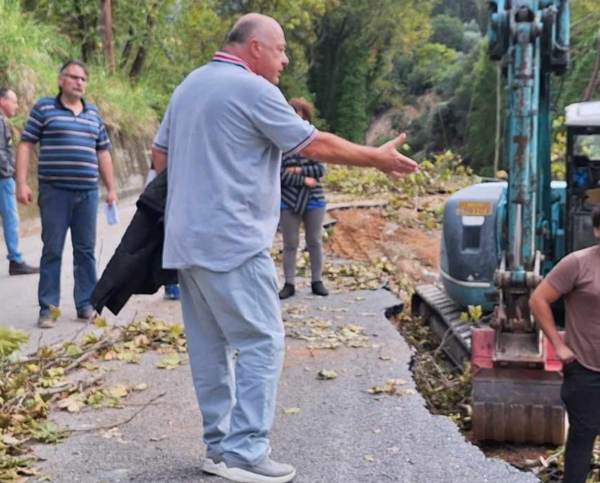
x: 593, y: 85
x: 498, y: 120
x: 107, y: 35
x: 127, y: 49
x: 140, y: 58
x: 138, y: 63
x: 87, y: 47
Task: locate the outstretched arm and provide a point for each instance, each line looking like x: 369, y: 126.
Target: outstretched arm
x: 330, y: 148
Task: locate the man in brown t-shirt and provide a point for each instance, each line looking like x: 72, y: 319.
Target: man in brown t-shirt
x: 577, y: 278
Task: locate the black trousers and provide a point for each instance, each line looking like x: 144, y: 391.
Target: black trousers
x: 581, y: 394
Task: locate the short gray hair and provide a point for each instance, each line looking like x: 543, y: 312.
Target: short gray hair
x: 242, y: 31
x: 71, y: 62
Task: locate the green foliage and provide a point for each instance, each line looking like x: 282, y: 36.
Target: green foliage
x: 463, y: 10
x: 473, y: 314
x: 27, y: 51
x: 448, y: 31
x: 482, y: 117
x: 352, y: 108
x: 581, y: 71
x: 445, y: 172
x: 31, y: 53
x: 47, y: 432
x: 78, y: 19
x: 11, y: 341
x: 358, y: 28
x: 431, y: 62
x: 559, y: 150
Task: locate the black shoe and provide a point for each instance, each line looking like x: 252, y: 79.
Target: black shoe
x: 22, y: 268
x: 287, y: 291
x: 319, y: 289
x: 85, y: 314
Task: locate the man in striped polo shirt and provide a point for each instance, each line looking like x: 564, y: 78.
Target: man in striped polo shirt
x: 74, y: 149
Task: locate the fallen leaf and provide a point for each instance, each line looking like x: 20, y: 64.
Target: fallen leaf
x: 73, y: 404
x: 10, y: 440
x: 170, y: 362
x: 119, y: 391
x: 325, y: 375
x: 370, y: 458
x: 90, y: 366
x: 158, y: 438
x: 111, y: 433
x: 291, y: 411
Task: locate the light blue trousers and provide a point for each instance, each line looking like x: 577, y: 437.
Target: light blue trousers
x: 236, y: 346
x: 10, y: 218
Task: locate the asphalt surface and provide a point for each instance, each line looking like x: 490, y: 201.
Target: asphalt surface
x: 336, y: 432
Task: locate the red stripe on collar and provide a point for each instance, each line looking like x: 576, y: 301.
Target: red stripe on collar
x: 232, y: 59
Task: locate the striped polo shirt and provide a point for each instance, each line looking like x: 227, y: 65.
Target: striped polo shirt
x: 68, y: 143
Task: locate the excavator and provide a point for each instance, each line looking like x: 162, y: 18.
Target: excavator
x: 499, y: 239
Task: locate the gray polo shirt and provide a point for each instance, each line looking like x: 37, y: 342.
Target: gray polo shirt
x: 225, y: 131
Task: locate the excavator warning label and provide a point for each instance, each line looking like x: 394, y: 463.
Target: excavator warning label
x: 474, y: 208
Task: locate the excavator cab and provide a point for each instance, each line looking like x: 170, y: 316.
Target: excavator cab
x: 583, y: 173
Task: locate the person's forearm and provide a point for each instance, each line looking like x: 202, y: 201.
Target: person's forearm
x: 542, y: 313
x: 23, y: 156
x: 105, y: 167
x: 333, y: 149
x: 159, y: 160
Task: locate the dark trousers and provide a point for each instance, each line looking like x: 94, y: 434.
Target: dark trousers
x: 581, y: 395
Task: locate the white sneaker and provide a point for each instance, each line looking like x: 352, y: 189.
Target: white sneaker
x: 267, y: 471
x: 210, y: 464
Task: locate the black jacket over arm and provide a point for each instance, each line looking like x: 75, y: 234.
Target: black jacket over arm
x: 136, y: 266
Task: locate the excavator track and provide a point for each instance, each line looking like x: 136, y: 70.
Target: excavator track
x: 433, y: 304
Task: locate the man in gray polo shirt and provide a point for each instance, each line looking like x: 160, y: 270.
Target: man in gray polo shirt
x: 223, y: 137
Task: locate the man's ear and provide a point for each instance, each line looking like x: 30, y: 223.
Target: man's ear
x: 254, y: 47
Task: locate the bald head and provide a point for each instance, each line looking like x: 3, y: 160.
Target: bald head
x: 260, y: 41
x: 252, y: 25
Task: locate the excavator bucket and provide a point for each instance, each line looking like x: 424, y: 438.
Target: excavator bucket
x: 518, y: 405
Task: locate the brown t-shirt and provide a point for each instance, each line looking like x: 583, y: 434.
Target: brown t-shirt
x: 577, y: 277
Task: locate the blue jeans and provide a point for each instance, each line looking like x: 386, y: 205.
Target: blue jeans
x: 10, y: 218
x: 225, y: 312
x: 62, y: 210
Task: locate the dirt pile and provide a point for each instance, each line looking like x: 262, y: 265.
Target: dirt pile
x: 369, y: 235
